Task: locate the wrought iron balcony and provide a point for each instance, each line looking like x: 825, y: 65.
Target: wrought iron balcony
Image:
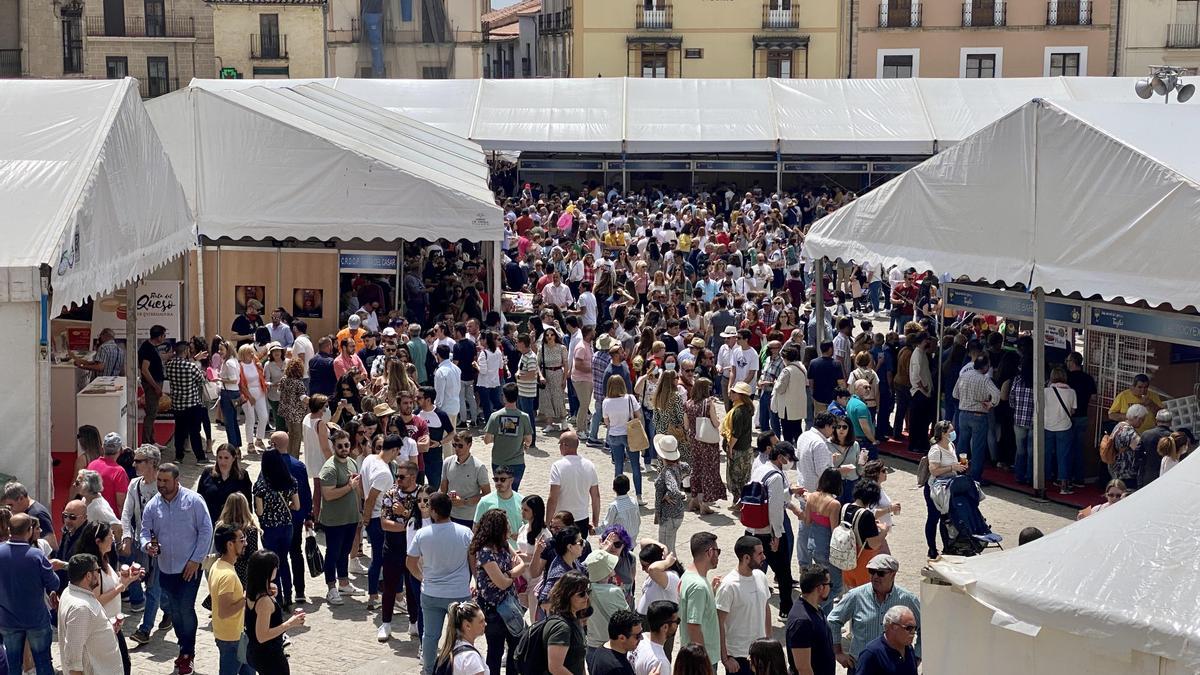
x: 142, y: 27
x: 1069, y: 13
x: 660, y: 17
x: 984, y: 13
x: 268, y: 46
x: 900, y: 15
x: 781, y: 17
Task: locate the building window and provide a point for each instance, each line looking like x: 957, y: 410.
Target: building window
x: 158, y: 76
x: 654, y: 64
x: 116, y: 67
x: 268, y: 28
x: 72, y: 27
x: 156, y: 18
x: 1064, y: 63
x: 114, y: 18
x: 897, y: 66
x: 435, y: 73
x: 693, y: 53
x: 981, y: 65
x: 779, y: 64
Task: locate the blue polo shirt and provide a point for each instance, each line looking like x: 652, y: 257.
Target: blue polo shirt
x: 878, y: 658
x: 22, y: 599
x: 303, y: 487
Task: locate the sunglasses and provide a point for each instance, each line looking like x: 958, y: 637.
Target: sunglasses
x: 879, y: 573
x: 67, y: 516
x: 841, y: 426
x: 499, y: 479
x: 584, y: 593
x: 341, y: 445
x: 910, y: 628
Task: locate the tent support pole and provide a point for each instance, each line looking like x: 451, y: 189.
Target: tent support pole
x: 1039, y: 394
x: 819, y: 301
x: 131, y: 366
x: 778, y: 168
x: 939, y: 408
x: 200, y: 287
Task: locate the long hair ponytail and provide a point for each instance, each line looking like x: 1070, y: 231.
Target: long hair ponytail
x: 457, y: 614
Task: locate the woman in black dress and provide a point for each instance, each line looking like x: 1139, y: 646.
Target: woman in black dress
x: 264, y: 617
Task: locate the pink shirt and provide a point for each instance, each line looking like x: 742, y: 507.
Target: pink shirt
x: 342, y: 364
x: 114, y: 478
x: 583, y: 351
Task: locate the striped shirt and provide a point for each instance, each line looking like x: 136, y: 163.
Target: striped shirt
x: 865, y: 615
x: 113, y: 359
x: 1021, y: 398
x: 600, y: 363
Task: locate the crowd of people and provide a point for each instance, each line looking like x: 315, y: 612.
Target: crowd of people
x: 673, y: 335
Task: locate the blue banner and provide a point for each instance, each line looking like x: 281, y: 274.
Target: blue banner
x: 736, y: 166
x: 1012, y: 304
x: 1177, y: 328
x: 825, y: 167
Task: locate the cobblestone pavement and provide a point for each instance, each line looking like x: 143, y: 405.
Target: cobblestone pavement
x: 342, y: 639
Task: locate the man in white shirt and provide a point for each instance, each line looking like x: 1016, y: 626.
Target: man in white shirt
x: 662, y: 621
x: 921, y: 409
x: 742, y: 609
x: 725, y: 359
x: 447, y: 382
x: 776, y: 537
x: 556, y: 293
x: 586, y: 304
x: 87, y: 641
x: 302, y: 346
x: 744, y: 361
x: 574, y: 485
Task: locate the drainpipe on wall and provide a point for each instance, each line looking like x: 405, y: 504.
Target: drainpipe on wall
x: 850, y: 54
x: 1117, y: 41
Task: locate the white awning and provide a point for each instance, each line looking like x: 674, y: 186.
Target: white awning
x: 309, y: 162
x: 675, y: 115
x: 852, y: 117
x: 85, y: 188
x: 1093, y: 198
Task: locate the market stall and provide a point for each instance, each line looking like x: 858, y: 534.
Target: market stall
x: 88, y: 205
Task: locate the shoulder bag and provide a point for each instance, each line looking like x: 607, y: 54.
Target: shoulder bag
x: 706, y: 432
x: 635, y: 431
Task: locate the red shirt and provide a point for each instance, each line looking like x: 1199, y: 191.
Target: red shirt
x: 115, y: 480
x: 524, y: 224
x: 544, y: 281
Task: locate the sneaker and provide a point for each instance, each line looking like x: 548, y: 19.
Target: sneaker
x: 301, y: 598
x: 385, y: 631
x: 356, y: 566
x: 183, y: 665
x: 412, y: 629
x: 641, y: 502
x: 333, y: 597
x: 350, y: 590
x: 141, y: 637
x: 166, y: 623
x: 372, y: 603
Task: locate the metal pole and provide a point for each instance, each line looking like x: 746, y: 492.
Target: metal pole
x: 937, y: 400
x: 200, y: 288
x: 1039, y: 393
x: 819, y: 301
x: 131, y: 366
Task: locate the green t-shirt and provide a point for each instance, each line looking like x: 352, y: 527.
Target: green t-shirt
x: 559, y: 632
x: 511, y: 507
x: 345, y: 509
x: 698, y: 605
x: 508, y: 429
x: 606, y: 600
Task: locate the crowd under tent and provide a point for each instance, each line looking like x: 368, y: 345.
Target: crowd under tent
x: 296, y: 189
x: 1112, y: 594
x: 89, y: 204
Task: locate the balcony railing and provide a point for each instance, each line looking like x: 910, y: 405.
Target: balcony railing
x: 140, y: 27
x: 10, y: 62
x: 268, y: 46
x: 1069, y: 13
x: 149, y: 88
x: 982, y: 14
x: 779, y: 18
x: 900, y: 15
x: 1179, y: 36
x: 661, y: 17
x: 556, y: 22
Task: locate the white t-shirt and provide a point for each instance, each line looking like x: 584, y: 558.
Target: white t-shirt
x: 376, y: 474
x: 942, y: 457
x: 743, y: 362
x: 587, y: 303
x: 575, y: 476
x: 230, y: 371
x: 648, y: 655
x: 617, y: 413
x: 652, y: 592
x: 884, y: 502
x: 745, y: 599
x: 408, y: 450
x: 469, y: 661
x: 302, y: 349
x: 98, y: 511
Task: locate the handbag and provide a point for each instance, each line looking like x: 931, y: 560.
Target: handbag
x: 513, y: 614
x: 312, y: 554
x: 636, y: 432
x: 706, y: 431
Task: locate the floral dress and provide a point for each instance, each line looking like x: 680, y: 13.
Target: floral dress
x: 705, y: 458
x: 553, y: 403
x: 671, y: 418
x: 1126, y: 466
x: 488, y: 593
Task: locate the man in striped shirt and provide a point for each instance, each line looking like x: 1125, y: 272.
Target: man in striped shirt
x: 865, y: 606
x: 110, y: 358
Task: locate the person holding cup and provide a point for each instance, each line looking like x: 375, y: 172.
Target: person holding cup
x: 97, y: 540
x: 943, y: 464
x: 341, y: 494
x: 264, y: 616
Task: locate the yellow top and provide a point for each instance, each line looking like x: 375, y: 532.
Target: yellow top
x: 223, y: 580
x: 1127, y: 398
x: 685, y: 243
x: 614, y: 238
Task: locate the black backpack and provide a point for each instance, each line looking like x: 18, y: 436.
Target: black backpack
x: 447, y: 667
x: 530, y: 654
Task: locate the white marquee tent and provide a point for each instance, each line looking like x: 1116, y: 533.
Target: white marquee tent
x: 88, y: 204
x: 1096, y: 198
x: 640, y: 116
x: 1113, y: 594
x: 307, y: 161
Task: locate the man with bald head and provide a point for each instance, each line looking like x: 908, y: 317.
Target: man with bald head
x: 25, y: 579
x: 300, y: 518
x: 574, y: 485
x: 74, y: 518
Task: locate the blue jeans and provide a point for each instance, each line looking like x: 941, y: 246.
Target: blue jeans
x: 819, y: 537
x: 433, y: 615
x: 278, y: 540
x: 433, y: 466
x: 154, y: 597
x: 764, y: 410
x: 375, y: 536
x: 338, y: 541
x: 180, y: 598
x: 232, y: 658
x: 874, y: 290
x: 648, y: 454
x: 973, y: 439
x: 618, y: 446
x: 1023, y: 462
x: 529, y: 405
x: 572, y: 401
x: 469, y: 409
x: 597, y: 418
x: 38, y: 639
x: 489, y: 398
x: 1060, y: 454
x: 229, y: 414
x: 1079, y: 427
x: 518, y: 473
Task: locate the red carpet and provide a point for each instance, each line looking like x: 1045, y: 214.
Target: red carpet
x: 1083, y: 497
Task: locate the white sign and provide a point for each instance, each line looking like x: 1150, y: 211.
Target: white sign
x: 158, y: 302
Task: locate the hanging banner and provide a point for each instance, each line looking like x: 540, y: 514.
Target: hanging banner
x: 368, y: 262
x: 158, y: 302
x: 1012, y: 304
x: 1182, y: 329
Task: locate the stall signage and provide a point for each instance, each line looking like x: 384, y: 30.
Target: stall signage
x: 1012, y: 304
x: 1176, y: 328
x: 649, y: 165
x: 158, y: 302
x: 367, y: 261
x: 560, y: 165
x: 736, y: 166
x: 825, y: 167
x: 892, y: 167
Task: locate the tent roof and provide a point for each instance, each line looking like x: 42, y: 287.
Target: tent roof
x: 1124, y: 576
x: 810, y: 117
x: 85, y: 188
x: 1092, y: 198
x: 307, y: 161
